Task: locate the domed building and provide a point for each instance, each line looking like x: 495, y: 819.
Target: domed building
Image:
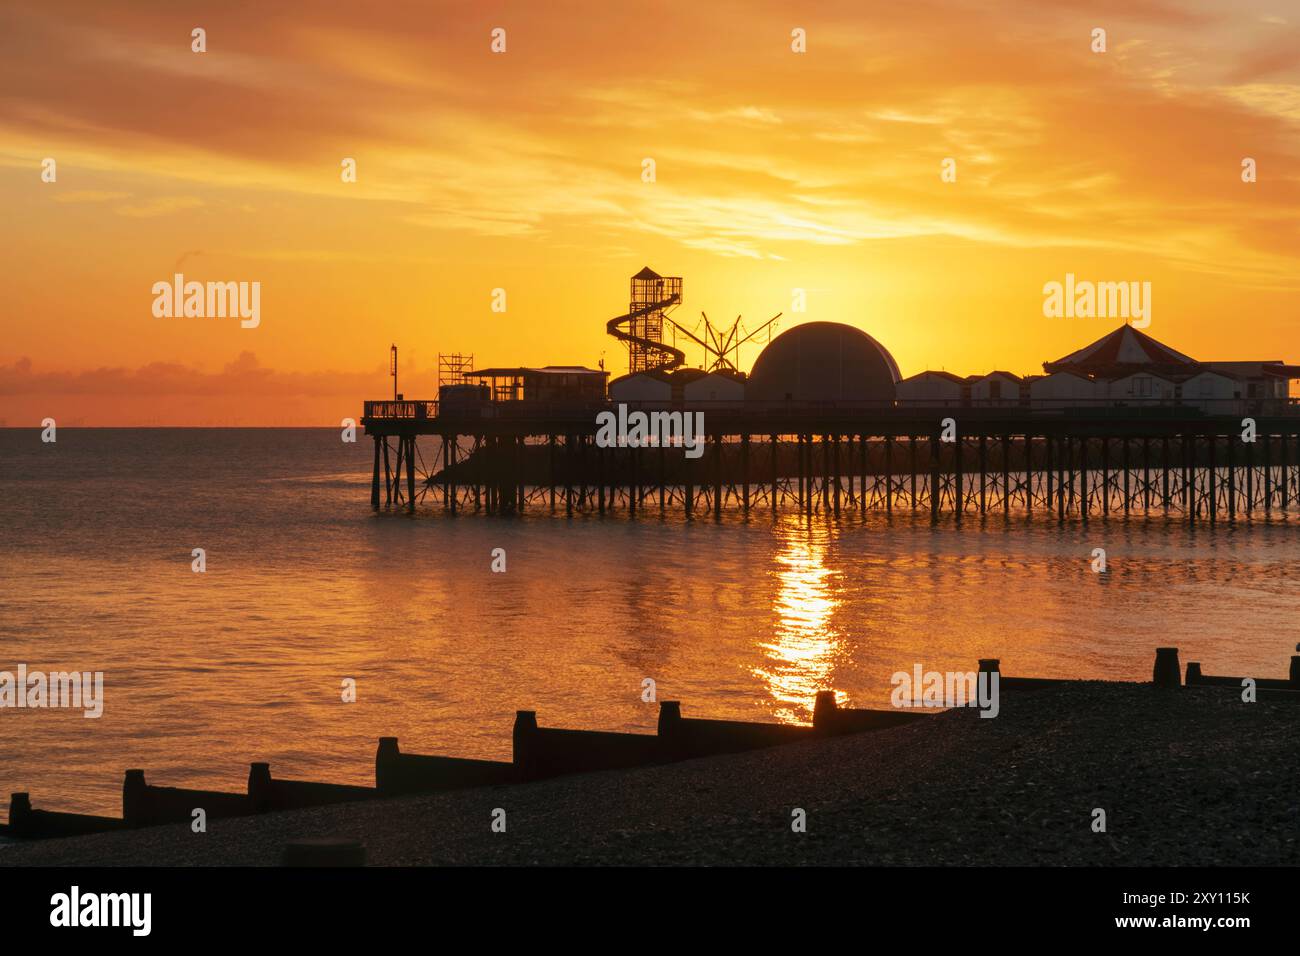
x: 823, y: 362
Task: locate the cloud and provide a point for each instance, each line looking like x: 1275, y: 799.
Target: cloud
x: 243, y: 377
x: 158, y: 206
x: 89, y: 196
x: 548, y: 138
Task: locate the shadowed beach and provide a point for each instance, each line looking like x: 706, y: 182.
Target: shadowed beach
x: 1186, y: 777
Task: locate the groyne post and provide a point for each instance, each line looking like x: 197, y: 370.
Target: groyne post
x: 1166, y: 672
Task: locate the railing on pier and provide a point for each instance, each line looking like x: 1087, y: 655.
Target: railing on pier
x: 400, y: 412
x: 1197, y: 457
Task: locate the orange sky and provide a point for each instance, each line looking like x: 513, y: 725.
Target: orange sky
x: 522, y: 170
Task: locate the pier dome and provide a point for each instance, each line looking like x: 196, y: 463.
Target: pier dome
x: 823, y: 361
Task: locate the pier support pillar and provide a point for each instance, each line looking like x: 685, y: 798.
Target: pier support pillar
x: 984, y: 467
x: 744, y: 473
x: 776, y: 474
x: 717, y: 477
x: 934, y: 477
x: 410, y: 475
x: 889, y: 474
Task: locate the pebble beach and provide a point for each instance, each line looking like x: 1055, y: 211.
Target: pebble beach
x: 1185, y: 777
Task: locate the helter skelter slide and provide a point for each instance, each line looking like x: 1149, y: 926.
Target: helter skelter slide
x: 652, y: 296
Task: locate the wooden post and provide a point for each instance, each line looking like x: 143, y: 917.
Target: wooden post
x: 374, y: 479
x: 984, y: 463
x: 1167, y: 672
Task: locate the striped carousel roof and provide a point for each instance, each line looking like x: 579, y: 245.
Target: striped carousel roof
x: 1124, y: 347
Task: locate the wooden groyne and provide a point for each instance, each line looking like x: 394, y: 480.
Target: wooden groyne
x: 1271, y: 689
x: 541, y: 753
x: 144, y: 804
x: 397, y: 773
x: 25, y: 822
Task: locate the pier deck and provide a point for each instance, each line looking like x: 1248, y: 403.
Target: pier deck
x: 1171, y: 458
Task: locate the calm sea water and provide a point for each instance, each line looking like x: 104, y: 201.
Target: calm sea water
x: 306, y: 587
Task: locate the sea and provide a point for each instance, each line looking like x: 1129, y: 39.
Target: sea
x: 318, y: 625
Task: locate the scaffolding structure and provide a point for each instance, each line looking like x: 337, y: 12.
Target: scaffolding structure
x: 452, y: 367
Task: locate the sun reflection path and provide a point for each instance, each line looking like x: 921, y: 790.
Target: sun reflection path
x: 803, y: 655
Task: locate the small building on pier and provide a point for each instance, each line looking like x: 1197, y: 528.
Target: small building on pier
x: 716, y: 388
x: 550, y: 383
x: 1213, y: 392
x: 1140, y: 388
x: 1129, y: 367
x: 653, y: 386
x: 995, y: 389
x: 931, y: 388
x: 1065, y: 390
x: 1259, y: 380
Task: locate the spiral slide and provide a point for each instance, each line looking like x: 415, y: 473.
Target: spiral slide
x: 675, y: 357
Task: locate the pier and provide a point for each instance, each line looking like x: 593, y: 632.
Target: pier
x: 830, y: 458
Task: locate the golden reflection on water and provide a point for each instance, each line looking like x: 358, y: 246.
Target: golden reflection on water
x: 803, y: 655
